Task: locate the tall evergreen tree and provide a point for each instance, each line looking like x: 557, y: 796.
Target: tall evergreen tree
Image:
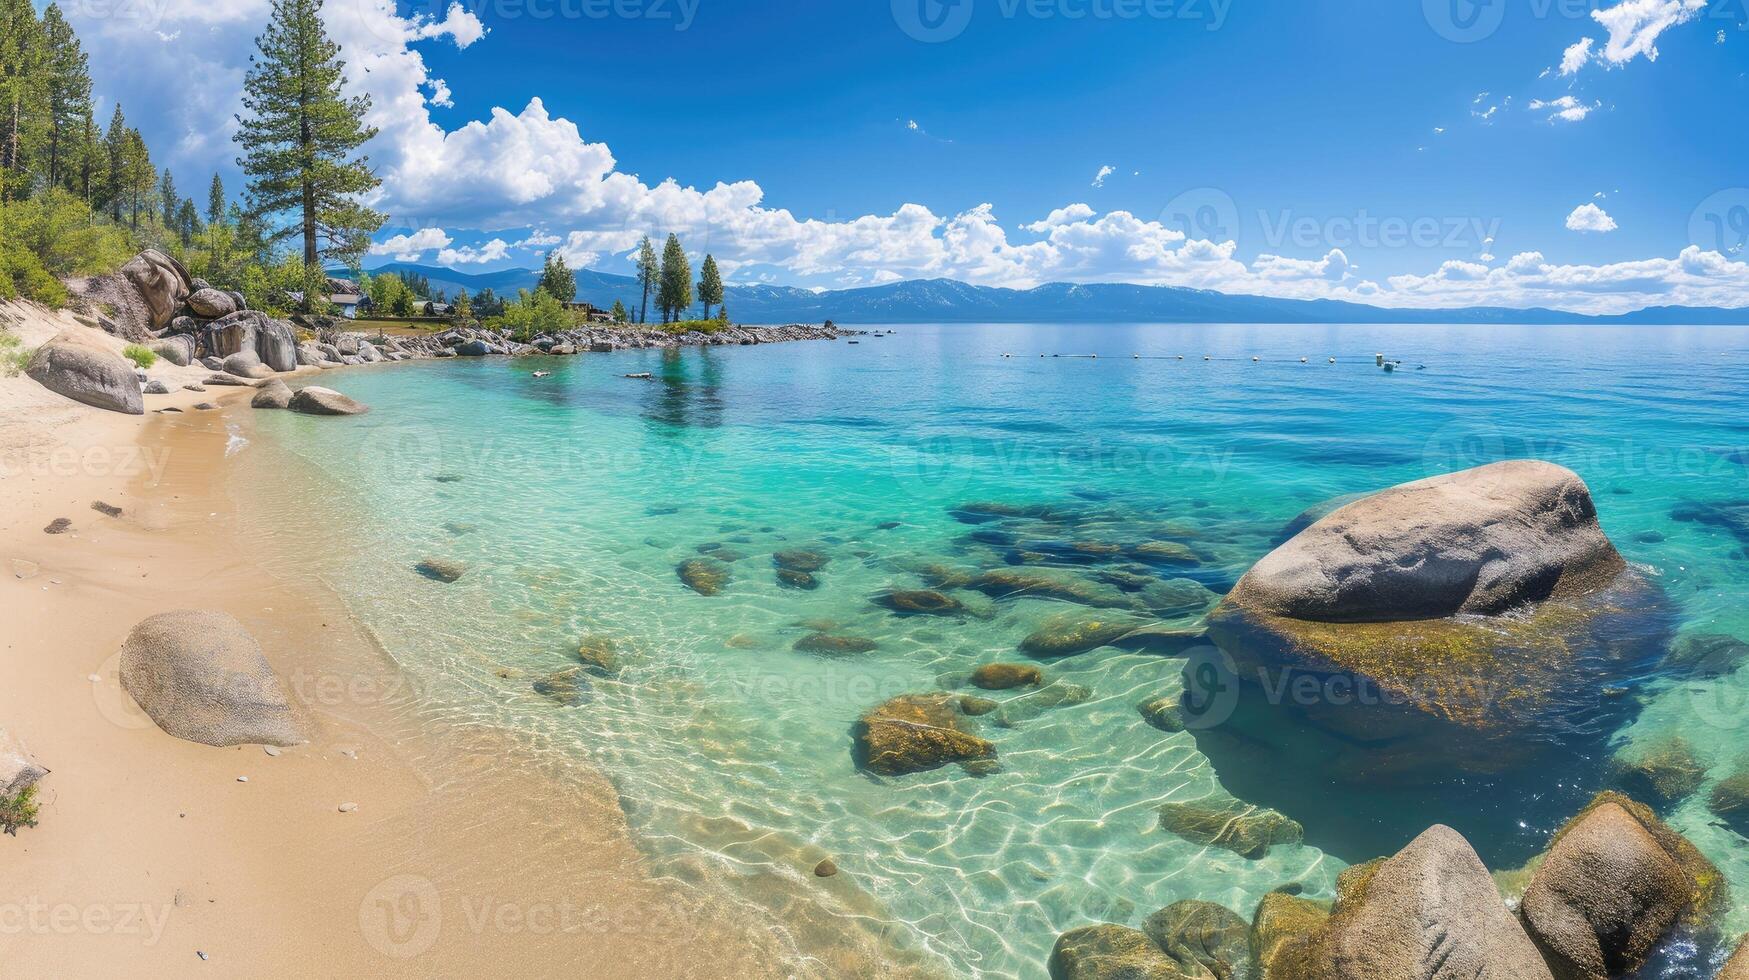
x: 168, y: 200
x: 89, y: 158
x: 22, y: 92
x: 674, y: 294
x: 187, y: 222
x: 215, y: 201
x: 301, y: 137
x: 139, y: 175
x: 557, y: 279
x: 67, y: 77
x: 115, y: 171
x: 649, y: 274
x: 710, y: 285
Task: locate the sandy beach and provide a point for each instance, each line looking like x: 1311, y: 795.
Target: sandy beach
x: 465, y: 854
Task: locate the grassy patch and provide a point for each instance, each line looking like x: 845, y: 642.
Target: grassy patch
x: 141, y: 356
x: 692, y: 326
x: 13, y: 356
x: 18, y: 811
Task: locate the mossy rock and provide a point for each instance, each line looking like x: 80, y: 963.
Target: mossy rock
x: 599, y: 653
x: 1012, y: 583
x: 1170, y: 552
x: 1165, y: 712
x: 1729, y: 801
x: 799, y: 560
x: 1280, y: 927
x: 790, y: 578
x: 1204, y: 939
x: 1005, y: 677
x: 1110, y: 952
x: 1067, y: 634
x: 1222, y: 821
x: 1056, y: 694
x: 973, y: 705
x: 568, y: 687
x: 920, y: 602
x: 917, y: 733
x: 1663, y: 773
x: 705, y: 576
x: 830, y: 644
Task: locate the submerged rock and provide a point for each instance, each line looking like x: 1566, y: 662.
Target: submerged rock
x: 973, y: 705
x: 1170, y: 552
x: 1071, y: 633
x: 441, y: 569
x: 1702, y: 655
x: 792, y: 579
x: 1003, y: 677
x: 1057, y: 694
x: 1663, y: 773
x: 1165, y: 712
x: 202, y: 677
x: 916, y: 733
x: 1008, y: 583
x: 1431, y: 912
x: 1202, y: 938
x: 1614, y: 881
x: 800, y: 561
x: 598, y: 653
x: 1281, y: 924
x: 1222, y: 821
x: 1729, y: 801
x: 1110, y: 952
x: 919, y: 602
x: 1401, y: 598
x: 568, y: 687
x: 827, y: 643
x: 703, y: 575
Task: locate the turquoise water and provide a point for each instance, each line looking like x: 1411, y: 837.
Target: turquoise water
x: 571, y: 500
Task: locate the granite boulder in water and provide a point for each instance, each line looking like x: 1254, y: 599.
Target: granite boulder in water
x: 917, y: 733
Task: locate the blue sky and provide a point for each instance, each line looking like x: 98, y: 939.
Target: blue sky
x: 1407, y: 153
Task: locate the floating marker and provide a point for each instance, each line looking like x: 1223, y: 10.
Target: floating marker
x: 1254, y: 360
x: 1379, y: 359
x: 1206, y: 357
x: 1302, y: 360
x: 1332, y: 360
x: 1181, y: 357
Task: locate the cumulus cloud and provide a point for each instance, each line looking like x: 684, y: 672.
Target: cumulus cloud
x: 1576, y: 55
x: 1634, y: 26
x: 492, y: 251
x: 411, y: 247
x: 1590, y: 218
x: 1104, y: 172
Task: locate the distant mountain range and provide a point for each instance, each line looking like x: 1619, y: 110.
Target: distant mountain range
x: 949, y: 301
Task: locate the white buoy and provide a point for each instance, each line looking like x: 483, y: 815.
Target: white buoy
x: 1136, y: 356
x: 1302, y: 360
x: 1379, y: 359
x: 1332, y: 360
x: 1181, y: 357
x: 1254, y: 360
x: 1206, y: 357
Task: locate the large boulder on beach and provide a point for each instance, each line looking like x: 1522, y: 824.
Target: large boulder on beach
x: 1469, y: 610
x: 1431, y: 912
x: 78, y: 368
x: 162, y: 283
x: 19, y: 770
x: 273, y: 342
x: 178, y: 349
x: 1615, y: 880
x: 244, y: 364
x: 202, y: 677
x: 273, y: 394
x: 314, y: 400
x: 211, y: 303
x: 917, y: 733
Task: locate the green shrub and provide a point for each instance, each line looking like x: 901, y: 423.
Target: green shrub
x: 18, y: 811
x: 141, y: 356
x: 694, y: 326
x: 51, y: 237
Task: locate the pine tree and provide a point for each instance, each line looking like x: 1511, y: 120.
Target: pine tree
x: 463, y: 308
x: 68, y: 79
x: 710, y: 285
x: 674, y: 294
x: 138, y: 175
x: 649, y: 274
x: 619, y: 312
x: 86, y: 162
x: 22, y: 92
x: 168, y: 200
x: 115, y: 171
x: 557, y: 279
x: 215, y: 201
x: 187, y: 222
x: 301, y: 137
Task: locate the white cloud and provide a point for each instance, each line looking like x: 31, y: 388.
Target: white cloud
x: 1060, y: 216
x: 1590, y: 218
x: 409, y: 248
x: 1575, y: 57
x: 1634, y: 26
x: 492, y: 251
x: 1104, y: 172
x: 1692, y: 278
x: 1567, y: 108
